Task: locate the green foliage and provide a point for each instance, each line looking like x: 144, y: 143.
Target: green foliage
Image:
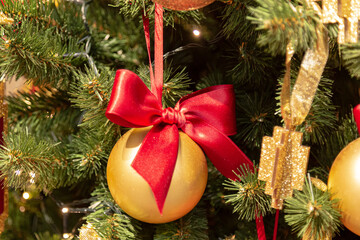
x: 27, y: 160
x: 236, y: 12
x: 342, y: 135
x: 176, y: 84
x: 250, y: 200
x: 255, y: 117
x: 147, y: 8
x: 351, y: 55
x: 89, y: 153
x: 37, y: 58
x: 312, y: 212
x: 192, y: 226
x: 91, y: 93
x: 45, y: 112
x: 108, y: 220
x: 281, y: 22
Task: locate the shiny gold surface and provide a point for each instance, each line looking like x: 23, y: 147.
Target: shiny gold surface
x: 183, y: 5
x: 283, y: 163
x: 88, y: 233
x: 344, y: 184
x: 132, y: 193
x: 5, y: 19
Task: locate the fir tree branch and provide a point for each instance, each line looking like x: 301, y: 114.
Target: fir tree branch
x: 176, y: 84
x: 139, y: 7
x: 311, y: 212
x: 281, y: 22
x: 108, y: 219
x: 38, y: 58
x: 250, y: 198
x: 45, y: 112
x: 192, y: 226
x: 27, y: 160
x: 351, y: 55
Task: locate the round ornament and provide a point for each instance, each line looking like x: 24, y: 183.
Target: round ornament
x: 133, y: 194
x: 183, y: 5
x: 344, y: 184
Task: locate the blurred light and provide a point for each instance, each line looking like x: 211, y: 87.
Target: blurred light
x: 18, y: 172
x: 65, y: 210
x: 196, y: 32
x: 66, y: 235
x: 22, y: 209
x: 32, y: 174
x: 26, y: 195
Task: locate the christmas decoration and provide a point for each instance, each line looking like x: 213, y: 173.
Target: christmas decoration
x: 346, y: 13
x: 206, y: 116
x: 5, y: 19
x: 356, y: 113
x: 87, y: 232
x: 283, y: 164
x: 283, y: 160
x: 133, y: 193
x: 344, y: 184
x: 4, y: 200
x: 183, y: 5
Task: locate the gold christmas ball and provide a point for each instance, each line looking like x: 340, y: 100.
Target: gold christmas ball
x: 344, y: 184
x: 133, y: 194
x: 183, y: 5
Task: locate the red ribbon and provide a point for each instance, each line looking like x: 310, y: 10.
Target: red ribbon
x: 206, y: 116
x: 356, y: 112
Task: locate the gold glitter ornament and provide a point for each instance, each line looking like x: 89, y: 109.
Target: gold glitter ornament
x: 347, y: 14
x: 283, y: 164
x: 183, y: 5
x: 5, y: 19
x: 87, y: 232
x: 344, y: 184
x: 133, y: 194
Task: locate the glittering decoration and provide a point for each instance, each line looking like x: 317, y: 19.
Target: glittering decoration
x: 183, y: 5
x: 88, y: 233
x: 4, y: 19
x: 319, y: 184
x: 308, y: 236
x: 311, y: 69
x: 283, y: 164
x: 347, y: 14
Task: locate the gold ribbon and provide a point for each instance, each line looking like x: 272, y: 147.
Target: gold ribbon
x: 295, y: 106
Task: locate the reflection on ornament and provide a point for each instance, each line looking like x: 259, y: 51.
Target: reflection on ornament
x: 88, y: 233
x: 133, y: 194
x: 183, y: 5
x: 344, y: 184
x: 283, y: 163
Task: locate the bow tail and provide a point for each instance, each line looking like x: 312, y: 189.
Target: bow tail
x: 222, y: 152
x: 156, y: 159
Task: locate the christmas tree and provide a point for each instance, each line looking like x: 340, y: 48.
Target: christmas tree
x: 290, y: 63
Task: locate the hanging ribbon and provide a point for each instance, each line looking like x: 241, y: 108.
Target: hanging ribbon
x: 356, y: 112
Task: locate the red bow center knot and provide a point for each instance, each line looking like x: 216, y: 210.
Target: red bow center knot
x: 173, y: 116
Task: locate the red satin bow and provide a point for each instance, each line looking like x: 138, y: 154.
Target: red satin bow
x: 206, y: 116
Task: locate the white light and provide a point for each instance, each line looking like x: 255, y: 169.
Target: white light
x: 32, y: 174
x: 65, y: 210
x: 66, y: 235
x: 196, y: 32
x: 18, y: 172
x: 26, y: 195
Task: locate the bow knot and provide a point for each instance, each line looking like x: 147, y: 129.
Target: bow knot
x: 173, y: 116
